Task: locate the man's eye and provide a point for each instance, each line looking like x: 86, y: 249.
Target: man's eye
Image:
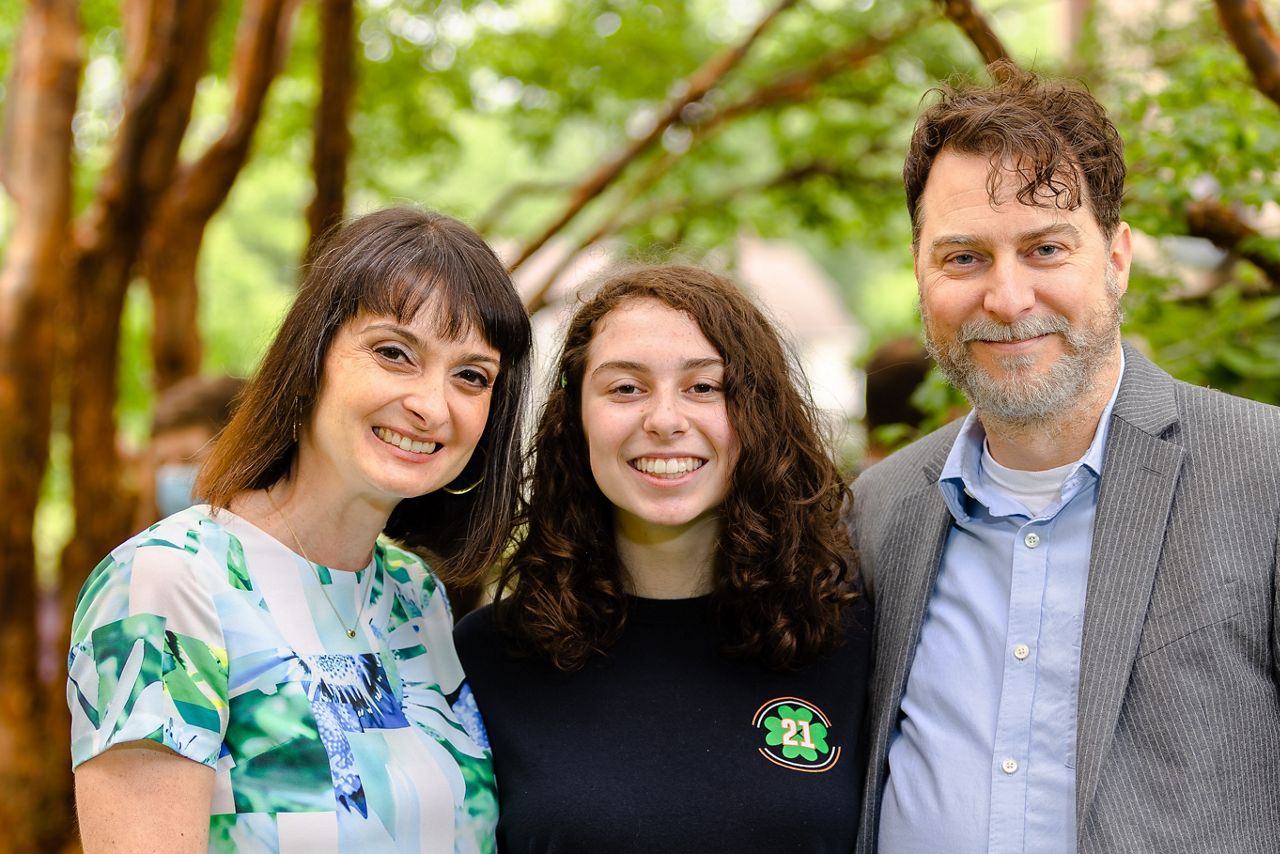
x: 1046, y: 251
x: 964, y: 259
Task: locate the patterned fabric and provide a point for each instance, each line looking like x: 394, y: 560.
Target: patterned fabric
x: 207, y: 635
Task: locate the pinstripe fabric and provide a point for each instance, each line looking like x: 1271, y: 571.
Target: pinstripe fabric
x: 1179, y: 717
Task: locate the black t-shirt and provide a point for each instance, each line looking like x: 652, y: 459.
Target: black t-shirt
x: 664, y: 745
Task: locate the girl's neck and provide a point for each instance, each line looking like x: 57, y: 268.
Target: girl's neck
x: 664, y: 562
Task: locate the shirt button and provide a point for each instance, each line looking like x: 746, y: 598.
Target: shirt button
x: 1021, y: 651
x: 1009, y: 766
x: 1032, y: 540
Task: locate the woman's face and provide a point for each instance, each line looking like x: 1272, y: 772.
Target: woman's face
x: 400, y: 408
x: 661, y: 447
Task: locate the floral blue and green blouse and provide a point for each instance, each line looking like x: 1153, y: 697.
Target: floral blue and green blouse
x: 209, y: 636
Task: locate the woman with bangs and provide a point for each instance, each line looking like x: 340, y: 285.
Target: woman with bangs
x: 273, y: 670
x: 677, y: 658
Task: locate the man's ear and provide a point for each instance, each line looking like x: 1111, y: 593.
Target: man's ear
x: 1120, y: 254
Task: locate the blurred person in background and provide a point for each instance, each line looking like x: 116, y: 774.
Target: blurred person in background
x: 187, y: 417
x: 893, y: 373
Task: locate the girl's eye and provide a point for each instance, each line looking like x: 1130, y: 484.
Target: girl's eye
x: 625, y: 389
x: 704, y: 388
x: 473, y: 377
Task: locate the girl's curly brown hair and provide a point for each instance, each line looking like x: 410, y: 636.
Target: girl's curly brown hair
x: 783, y: 573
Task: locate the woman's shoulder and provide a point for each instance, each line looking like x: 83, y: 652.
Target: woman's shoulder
x: 183, y: 557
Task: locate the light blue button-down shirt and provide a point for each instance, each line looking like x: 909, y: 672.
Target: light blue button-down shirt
x: 983, y: 759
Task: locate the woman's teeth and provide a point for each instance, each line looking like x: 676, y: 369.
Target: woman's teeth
x: 667, y: 466
x: 404, y: 443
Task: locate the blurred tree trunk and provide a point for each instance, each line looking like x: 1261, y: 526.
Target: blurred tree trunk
x: 37, y: 168
x: 167, y: 56
x: 333, y: 124
x: 200, y: 188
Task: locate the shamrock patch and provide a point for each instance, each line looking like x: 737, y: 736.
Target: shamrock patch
x: 795, y: 735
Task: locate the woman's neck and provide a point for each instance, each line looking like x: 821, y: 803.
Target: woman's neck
x: 664, y: 562
x: 335, y: 533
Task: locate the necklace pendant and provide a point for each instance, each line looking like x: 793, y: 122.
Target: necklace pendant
x: 351, y: 633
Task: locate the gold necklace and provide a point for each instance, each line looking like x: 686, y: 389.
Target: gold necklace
x: 315, y: 567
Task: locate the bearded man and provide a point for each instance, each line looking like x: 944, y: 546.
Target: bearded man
x: 1075, y: 587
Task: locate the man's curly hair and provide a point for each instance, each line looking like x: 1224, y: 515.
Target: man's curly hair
x: 1050, y: 135
x: 783, y: 573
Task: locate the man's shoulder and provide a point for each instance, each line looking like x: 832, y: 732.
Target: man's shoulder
x: 1210, y: 408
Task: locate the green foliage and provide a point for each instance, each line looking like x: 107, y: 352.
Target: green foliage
x: 1195, y: 126
x: 458, y: 100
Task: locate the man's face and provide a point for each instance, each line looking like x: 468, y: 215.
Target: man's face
x: 1021, y: 303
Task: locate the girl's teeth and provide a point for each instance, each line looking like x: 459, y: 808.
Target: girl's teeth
x: 676, y: 466
x: 404, y: 443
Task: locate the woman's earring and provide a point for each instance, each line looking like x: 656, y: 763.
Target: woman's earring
x: 453, y: 490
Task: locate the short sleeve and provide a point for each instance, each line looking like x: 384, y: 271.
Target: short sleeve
x: 148, y: 657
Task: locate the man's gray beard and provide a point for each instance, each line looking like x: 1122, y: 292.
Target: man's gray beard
x: 1024, y: 396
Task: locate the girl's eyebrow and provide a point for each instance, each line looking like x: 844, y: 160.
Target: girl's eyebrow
x: 638, y: 367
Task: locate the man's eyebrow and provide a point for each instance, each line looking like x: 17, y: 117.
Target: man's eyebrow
x: 960, y: 240
x: 1057, y: 229
x: 971, y: 241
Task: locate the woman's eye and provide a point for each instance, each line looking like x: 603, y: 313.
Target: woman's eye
x: 625, y: 389
x: 704, y: 388
x: 392, y: 352
x: 473, y: 377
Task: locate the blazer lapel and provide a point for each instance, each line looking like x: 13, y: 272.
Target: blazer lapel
x: 904, y: 580
x: 1139, y: 477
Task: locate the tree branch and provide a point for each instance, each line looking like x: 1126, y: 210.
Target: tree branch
x: 332, y: 146
x: 616, y: 223
x: 503, y: 203
x: 1246, y: 23
x: 965, y: 15
x: 694, y: 88
x: 199, y: 189
x: 1222, y: 226
x: 262, y: 41
x: 801, y: 85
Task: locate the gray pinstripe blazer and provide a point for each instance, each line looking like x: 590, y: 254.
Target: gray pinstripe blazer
x: 1178, y: 732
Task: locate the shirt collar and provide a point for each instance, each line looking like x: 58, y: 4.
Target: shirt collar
x: 961, y: 474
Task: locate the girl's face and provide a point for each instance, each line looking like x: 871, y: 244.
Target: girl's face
x: 661, y: 446
x: 400, y: 408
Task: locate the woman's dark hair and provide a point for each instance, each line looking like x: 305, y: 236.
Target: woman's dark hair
x: 392, y: 262
x: 782, y: 573
x: 1048, y: 134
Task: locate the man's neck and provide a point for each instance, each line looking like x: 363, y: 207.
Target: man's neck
x: 1059, y: 440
